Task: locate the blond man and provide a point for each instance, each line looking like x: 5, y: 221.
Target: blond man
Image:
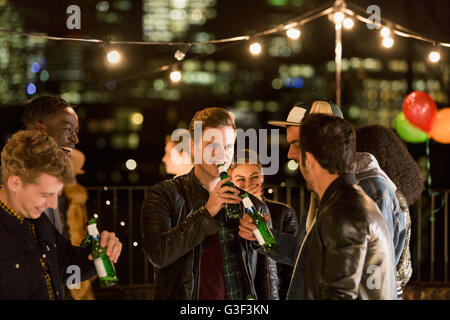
x: 36, y: 257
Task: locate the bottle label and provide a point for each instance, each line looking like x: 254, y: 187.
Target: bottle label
x: 100, y: 267
x: 92, y: 230
x: 248, y: 204
x: 259, y: 237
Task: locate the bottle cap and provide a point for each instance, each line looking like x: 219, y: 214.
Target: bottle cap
x: 221, y: 168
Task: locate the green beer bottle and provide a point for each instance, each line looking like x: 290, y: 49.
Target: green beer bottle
x: 262, y: 233
x: 104, y: 266
x: 233, y: 210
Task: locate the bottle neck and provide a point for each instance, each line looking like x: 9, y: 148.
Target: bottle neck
x: 222, y: 172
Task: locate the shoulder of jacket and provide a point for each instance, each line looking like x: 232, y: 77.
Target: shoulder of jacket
x: 350, y: 199
x: 277, y: 203
x: 167, y: 185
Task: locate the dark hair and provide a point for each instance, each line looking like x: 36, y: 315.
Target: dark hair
x: 212, y: 117
x: 393, y: 157
x: 331, y: 140
x: 40, y: 108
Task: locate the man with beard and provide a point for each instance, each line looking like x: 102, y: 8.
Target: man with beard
x: 348, y: 253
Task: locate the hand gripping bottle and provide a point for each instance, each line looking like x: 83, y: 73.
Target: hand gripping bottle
x: 104, y: 266
x: 262, y: 233
x: 233, y: 210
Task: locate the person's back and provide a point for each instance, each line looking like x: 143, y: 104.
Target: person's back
x: 348, y: 226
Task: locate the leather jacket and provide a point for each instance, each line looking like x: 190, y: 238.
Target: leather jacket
x: 284, y: 220
x: 350, y: 253
x: 174, y: 224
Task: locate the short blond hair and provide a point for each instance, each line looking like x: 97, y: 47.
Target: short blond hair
x: 30, y: 153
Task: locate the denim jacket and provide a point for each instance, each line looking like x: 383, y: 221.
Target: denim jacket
x: 377, y: 185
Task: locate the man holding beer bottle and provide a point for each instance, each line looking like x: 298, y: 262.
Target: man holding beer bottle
x: 34, y: 256
x: 187, y: 234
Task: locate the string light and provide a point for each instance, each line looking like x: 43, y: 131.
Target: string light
x: 338, y: 17
x: 113, y: 56
x: 434, y: 56
x: 175, y: 76
x: 348, y: 23
x: 385, y: 32
x: 388, y: 42
x: 293, y: 33
x: 179, y: 55
x: 339, y: 14
x: 255, y: 48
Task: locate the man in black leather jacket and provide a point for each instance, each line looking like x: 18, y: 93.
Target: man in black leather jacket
x: 348, y: 253
x: 194, y: 247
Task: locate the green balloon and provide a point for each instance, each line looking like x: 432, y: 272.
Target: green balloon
x: 407, y: 131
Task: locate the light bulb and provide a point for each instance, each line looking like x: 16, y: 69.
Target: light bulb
x: 388, y: 42
x: 175, y: 76
x: 348, y: 23
x: 293, y: 33
x: 113, y: 56
x: 255, y: 48
x: 338, y: 17
x: 434, y: 56
x: 385, y: 32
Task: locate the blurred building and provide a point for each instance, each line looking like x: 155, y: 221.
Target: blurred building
x: 127, y: 108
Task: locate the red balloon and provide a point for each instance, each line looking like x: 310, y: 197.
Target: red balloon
x: 420, y: 109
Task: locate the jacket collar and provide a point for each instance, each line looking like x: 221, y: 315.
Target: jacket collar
x: 8, y: 217
x: 366, y: 162
x: 197, y: 186
x: 338, y: 183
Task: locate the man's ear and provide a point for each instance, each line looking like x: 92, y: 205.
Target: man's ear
x: 14, y: 182
x: 310, y: 161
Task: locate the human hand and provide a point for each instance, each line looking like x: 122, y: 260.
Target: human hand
x: 221, y: 195
x: 247, y: 226
x: 112, y: 244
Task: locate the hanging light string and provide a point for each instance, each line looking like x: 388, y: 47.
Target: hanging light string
x: 295, y: 22
x: 298, y: 21
x: 338, y: 6
x: 305, y: 18
x: 395, y: 28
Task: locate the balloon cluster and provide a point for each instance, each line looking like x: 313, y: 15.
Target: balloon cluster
x: 420, y: 120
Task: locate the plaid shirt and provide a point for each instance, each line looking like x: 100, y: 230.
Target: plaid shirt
x: 230, y: 257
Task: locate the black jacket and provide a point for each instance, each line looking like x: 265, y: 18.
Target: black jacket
x: 284, y: 220
x: 21, y: 272
x: 174, y: 224
x: 350, y: 253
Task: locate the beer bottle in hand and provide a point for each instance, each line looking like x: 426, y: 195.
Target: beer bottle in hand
x: 262, y: 233
x: 233, y: 210
x: 104, y: 266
